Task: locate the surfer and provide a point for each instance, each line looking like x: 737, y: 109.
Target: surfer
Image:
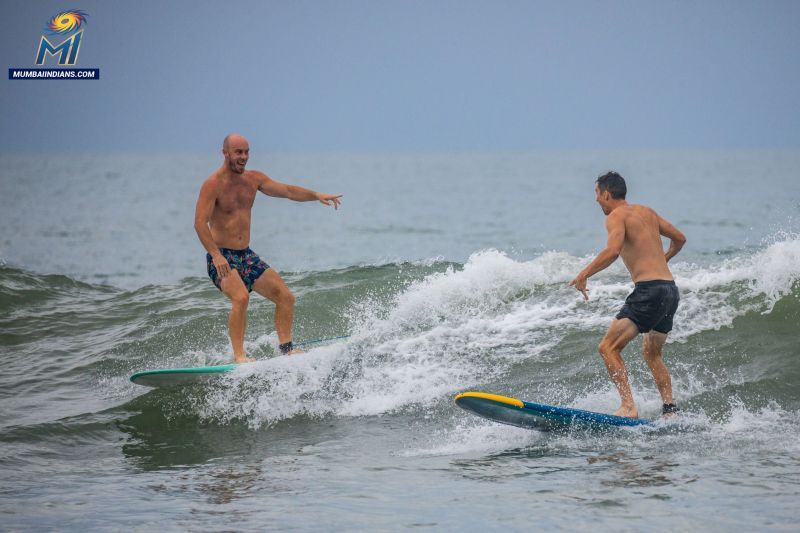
x: 634, y: 232
x: 222, y: 222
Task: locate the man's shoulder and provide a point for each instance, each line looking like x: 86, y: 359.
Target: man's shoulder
x: 256, y: 178
x: 211, y: 181
x: 619, y: 213
x: 630, y: 212
x: 642, y: 209
x: 255, y: 175
x: 635, y: 210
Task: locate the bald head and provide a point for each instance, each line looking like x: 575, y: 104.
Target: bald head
x: 233, y: 138
x: 236, y: 150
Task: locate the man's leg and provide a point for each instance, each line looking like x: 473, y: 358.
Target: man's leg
x: 653, y: 342
x: 619, y: 334
x: 233, y: 287
x: 271, y: 286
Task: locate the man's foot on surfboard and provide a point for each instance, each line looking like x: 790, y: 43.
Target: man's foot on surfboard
x: 669, y: 410
x: 288, y: 348
x: 243, y: 359
x: 627, y: 412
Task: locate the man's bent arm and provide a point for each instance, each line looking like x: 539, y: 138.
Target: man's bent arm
x: 202, y: 215
x: 676, y: 238
x: 616, y: 238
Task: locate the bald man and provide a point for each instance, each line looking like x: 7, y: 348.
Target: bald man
x: 222, y: 222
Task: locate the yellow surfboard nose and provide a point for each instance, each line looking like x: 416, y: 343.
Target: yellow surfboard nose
x: 489, y: 396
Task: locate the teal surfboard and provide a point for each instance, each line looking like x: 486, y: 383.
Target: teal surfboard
x: 522, y: 414
x: 169, y: 377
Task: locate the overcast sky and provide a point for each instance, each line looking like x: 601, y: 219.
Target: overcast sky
x: 399, y: 76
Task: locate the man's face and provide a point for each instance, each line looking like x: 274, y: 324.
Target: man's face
x: 603, y: 198
x: 237, y: 155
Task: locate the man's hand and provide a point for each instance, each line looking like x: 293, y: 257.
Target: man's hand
x: 222, y: 266
x: 580, y: 284
x: 330, y: 199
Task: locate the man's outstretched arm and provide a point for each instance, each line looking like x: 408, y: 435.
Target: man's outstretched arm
x: 616, y: 238
x: 270, y: 187
x: 676, y: 238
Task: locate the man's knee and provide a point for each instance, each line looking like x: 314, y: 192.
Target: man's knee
x: 605, y: 347
x: 283, y: 297
x: 610, y: 345
x: 240, y: 298
x: 287, y: 297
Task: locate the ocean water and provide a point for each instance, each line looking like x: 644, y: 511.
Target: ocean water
x: 449, y: 273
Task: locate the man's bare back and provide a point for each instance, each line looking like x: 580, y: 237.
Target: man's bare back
x: 642, y: 251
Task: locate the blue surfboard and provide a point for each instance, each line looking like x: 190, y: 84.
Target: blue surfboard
x: 522, y: 414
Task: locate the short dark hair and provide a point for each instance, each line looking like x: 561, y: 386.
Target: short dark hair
x: 614, y: 184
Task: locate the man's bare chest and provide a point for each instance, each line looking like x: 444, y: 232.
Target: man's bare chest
x: 233, y: 198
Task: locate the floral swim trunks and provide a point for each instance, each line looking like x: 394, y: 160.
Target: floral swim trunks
x: 246, y: 262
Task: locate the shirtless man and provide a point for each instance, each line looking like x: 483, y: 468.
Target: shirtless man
x: 222, y: 221
x: 634, y: 232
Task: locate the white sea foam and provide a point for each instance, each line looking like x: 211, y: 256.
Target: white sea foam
x: 712, y: 297
x: 275, y: 389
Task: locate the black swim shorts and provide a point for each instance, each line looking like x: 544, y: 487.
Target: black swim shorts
x: 245, y: 262
x: 651, y: 305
